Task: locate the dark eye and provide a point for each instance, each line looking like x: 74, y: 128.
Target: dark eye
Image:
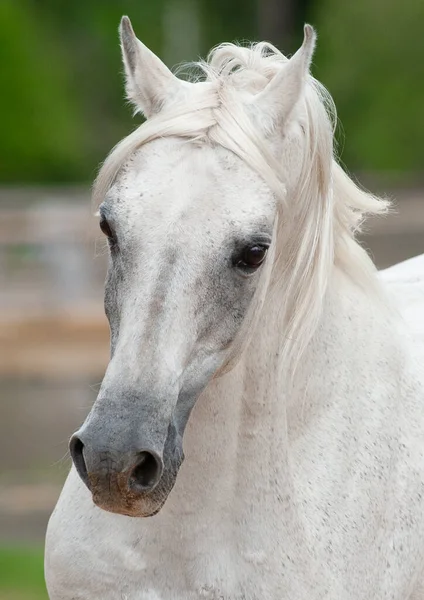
x: 106, y: 228
x: 251, y: 257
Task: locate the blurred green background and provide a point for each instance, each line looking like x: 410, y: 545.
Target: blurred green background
x: 62, y: 110
x: 62, y: 99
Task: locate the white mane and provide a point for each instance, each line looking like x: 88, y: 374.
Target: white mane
x: 328, y: 208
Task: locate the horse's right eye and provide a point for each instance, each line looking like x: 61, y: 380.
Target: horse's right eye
x: 106, y: 228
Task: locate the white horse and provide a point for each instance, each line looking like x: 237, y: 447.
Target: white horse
x: 243, y: 311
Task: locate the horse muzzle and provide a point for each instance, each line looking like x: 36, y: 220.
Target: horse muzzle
x: 134, y: 482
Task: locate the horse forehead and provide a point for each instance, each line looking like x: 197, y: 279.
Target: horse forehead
x: 170, y: 180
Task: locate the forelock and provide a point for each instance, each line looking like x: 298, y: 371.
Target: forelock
x: 214, y: 113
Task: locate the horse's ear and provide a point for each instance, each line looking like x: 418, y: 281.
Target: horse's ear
x: 149, y: 82
x: 279, y: 97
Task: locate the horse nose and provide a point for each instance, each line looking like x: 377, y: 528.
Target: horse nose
x: 142, y: 470
x: 147, y: 472
x: 76, y: 448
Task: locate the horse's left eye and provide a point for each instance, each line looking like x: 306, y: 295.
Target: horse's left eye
x: 251, y: 257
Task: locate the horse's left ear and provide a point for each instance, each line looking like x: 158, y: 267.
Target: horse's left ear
x: 149, y: 82
x: 279, y: 97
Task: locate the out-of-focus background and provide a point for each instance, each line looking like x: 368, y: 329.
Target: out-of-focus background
x: 62, y: 110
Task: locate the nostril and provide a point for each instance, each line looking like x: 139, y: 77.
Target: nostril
x: 147, y: 472
x: 76, y: 448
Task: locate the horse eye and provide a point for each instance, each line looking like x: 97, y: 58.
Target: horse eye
x: 252, y: 257
x: 106, y: 228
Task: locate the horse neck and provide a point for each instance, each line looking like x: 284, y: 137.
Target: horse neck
x: 251, y: 435
x: 241, y: 429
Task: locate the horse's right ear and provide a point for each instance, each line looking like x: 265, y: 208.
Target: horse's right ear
x: 149, y: 82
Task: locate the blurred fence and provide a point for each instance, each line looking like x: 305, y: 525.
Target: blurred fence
x: 53, y: 345
x: 54, y: 335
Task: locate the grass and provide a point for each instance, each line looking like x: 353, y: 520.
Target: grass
x: 21, y: 574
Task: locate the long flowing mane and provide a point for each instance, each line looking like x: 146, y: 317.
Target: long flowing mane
x: 328, y: 208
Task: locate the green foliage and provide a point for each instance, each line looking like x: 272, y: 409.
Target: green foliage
x: 22, y: 574
x: 39, y: 139
x: 224, y: 21
x: 62, y: 106
x: 371, y: 59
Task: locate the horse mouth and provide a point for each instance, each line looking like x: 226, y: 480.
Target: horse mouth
x: 110, y: 492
